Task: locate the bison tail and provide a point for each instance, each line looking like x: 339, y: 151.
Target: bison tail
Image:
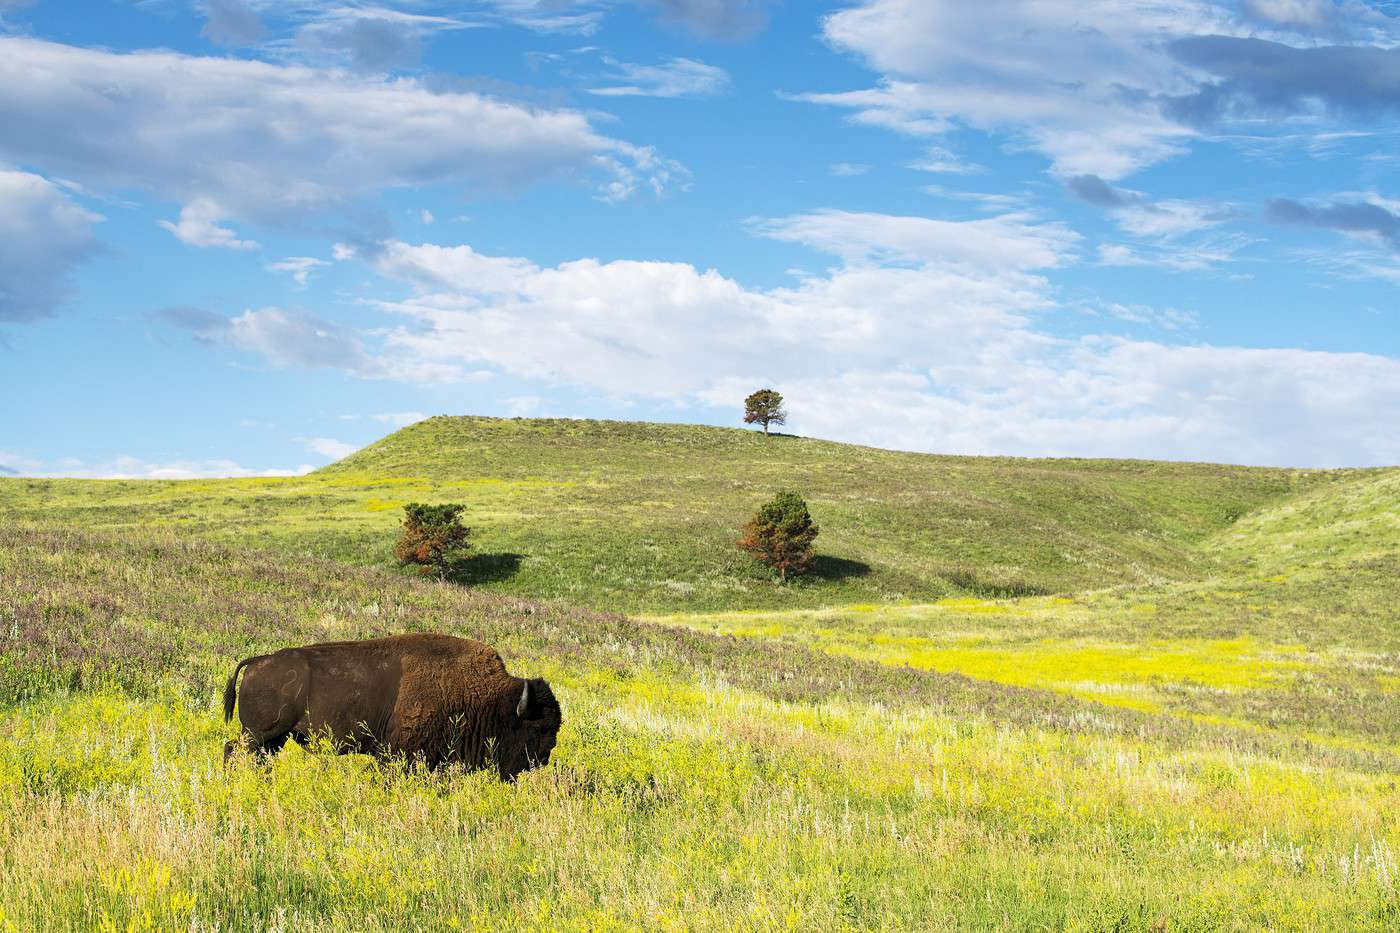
x: 231, y: 688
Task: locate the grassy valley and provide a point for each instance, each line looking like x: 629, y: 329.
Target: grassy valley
x: 1020, y: 694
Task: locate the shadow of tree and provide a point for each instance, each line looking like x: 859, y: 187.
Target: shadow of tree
x: 487, y: 568
x: 837, y: 568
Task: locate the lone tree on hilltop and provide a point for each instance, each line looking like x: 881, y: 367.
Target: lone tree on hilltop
x: 764, y: 407
x: 433, y: 538
x: 780, y: 534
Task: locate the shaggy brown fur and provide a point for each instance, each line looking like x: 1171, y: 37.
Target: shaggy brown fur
x: 431, y: 698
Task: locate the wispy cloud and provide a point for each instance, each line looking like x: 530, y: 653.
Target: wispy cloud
x: 352, y: 134
x: 299, y: 267
x: 677, y: 77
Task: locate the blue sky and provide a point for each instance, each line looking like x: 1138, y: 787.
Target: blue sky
x: 246, y: 236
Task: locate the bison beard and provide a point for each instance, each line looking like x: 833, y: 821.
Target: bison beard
x: 430, y: 698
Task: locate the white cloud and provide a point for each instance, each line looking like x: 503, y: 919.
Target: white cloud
x: 524, y: 406
x: 14, y: 464
x: 299, y: 267
x: 1182, y: 257
x: 1010, y: 241
x: 926, y: 335
x: 283, y: 336
x: 252, y: 141
x: 566, y: 16
x: 128, y: 467
x: 399, y: 419
x: 847, y: 169
x: 1112, y: 398
x: 1164, y: 318
x: 371, y: 38
x: 426, y: 216
x: 945, y: 161
x: 1168, y: 218
x: 678, y: 77
x: 1076, y: 82
x: 329, y: 447
x: 44, y: 235
x: 1138, y: 214
x: 198, y: 226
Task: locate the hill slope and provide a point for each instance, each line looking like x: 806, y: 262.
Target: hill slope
x: 699, y: 782
x: 644, y: 516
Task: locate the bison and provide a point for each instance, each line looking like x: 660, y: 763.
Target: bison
x: 430, y: 698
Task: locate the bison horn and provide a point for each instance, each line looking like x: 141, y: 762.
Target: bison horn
x: 524, y: 703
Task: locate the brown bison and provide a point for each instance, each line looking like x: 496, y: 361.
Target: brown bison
x: 430, y: 698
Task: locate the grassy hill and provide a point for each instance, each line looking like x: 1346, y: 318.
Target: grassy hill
x: 644, y: 516
x: 701, y: 781
x: 1022, y: 694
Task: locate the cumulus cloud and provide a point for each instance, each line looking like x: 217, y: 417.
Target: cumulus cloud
x: 668, y: 329
x: 44, y: 235
x: 924, y: 334
x: 1113, y: 397
x: 199, y: 226
x: 248, y: 140
x: 678, y: 77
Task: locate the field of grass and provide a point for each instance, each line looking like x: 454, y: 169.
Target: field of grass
x: 1064, y: 695
x: 622, y: 516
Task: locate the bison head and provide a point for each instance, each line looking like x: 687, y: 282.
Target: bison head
x: 531, y: 732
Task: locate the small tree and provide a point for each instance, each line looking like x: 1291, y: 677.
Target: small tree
x: 780, y: 535
x: 433, y: 538
x: 764, y: 407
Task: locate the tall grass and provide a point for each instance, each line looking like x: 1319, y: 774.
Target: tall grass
x: 701, y: 781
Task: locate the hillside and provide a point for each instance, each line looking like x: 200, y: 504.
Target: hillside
x: 700, y: 782
x: 643, y: 516
x: 1196, y: 728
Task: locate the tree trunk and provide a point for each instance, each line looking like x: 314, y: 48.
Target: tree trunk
x: 765, y: 429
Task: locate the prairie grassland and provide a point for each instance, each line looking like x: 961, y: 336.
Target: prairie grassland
x: 1295, y: 632
x: 701, y: 782
x: 1017, y: 695
x: 643, y: 517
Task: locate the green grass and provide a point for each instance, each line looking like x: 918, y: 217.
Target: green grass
x: 644, y: 516
x: 1194, y: 726
x: 701, y: 782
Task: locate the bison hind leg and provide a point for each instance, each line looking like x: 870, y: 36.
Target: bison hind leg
x: 262, y: 747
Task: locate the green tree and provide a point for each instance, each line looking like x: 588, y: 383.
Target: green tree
x: 781, y: 534
x: 764, y: 407
x: 433, y: 538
